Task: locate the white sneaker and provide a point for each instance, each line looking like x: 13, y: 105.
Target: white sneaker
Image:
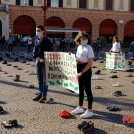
x: 78, y: 110
x: 87, y: 114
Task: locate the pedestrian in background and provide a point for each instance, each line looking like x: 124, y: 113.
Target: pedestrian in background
x: 29, y: 44
x: 10, y: 44
x: 116, y: 47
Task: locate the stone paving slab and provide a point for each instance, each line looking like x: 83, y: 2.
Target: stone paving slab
x: 36, y: 118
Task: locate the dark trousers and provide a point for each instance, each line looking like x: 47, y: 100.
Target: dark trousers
x: 41, y: 75
x: 29, y: 48
x: 85, y: 85
x: 10, y: 47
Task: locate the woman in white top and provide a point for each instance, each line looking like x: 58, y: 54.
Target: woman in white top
x: 116, y: 48
x: 84, y: 57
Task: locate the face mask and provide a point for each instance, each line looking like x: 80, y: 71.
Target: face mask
x: 84, y: 42
x: 38, y: 34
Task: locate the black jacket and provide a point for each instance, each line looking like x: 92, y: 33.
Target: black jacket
x: 44, y: 46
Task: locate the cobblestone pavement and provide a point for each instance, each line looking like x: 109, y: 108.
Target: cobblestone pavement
x: 35, y: 118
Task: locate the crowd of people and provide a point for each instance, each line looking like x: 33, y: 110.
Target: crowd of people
x: 59, y: 44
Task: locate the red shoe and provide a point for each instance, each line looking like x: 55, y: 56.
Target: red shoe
x: 65, y: 114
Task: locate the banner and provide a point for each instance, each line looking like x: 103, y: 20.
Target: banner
x: 115, y: 61
x: 61, y: 70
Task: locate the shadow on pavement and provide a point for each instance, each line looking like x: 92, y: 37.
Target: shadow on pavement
x: 65, y: 104
x: 99, y: 131
x: 121, y: 102
x: 17, y: 84
x: 111, y: 117
x: 63, y: 93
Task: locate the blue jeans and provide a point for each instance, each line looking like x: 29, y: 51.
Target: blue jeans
x: 41, y: 75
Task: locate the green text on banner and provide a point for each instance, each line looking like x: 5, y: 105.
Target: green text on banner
x: 61, y: 70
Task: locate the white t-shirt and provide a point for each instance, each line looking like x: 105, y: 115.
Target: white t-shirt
x: 84, y: 53
x: 116, y: 47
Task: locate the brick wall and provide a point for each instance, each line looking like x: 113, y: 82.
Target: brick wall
x: 95, y: 17
x: 36, y: 13
x: 70, y: 15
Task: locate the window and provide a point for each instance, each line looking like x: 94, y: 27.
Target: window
x: 24, y: 2
x: 48, y: 3
x: 30, y: 2
x: 17, y: 2
x: 121, y: 4
x: 60, y: 3
x: 82, y: 3
x: 96, y: 3
x: 69, y: 3
x: 109, y: 4
x: 55, y: 3
x: 132, y: 5
x: 40, y: 2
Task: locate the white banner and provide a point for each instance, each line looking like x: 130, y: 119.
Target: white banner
x: 115, y: 61
x: 61, y: 70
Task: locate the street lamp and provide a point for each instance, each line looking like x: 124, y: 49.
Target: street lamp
x: 44, y: 7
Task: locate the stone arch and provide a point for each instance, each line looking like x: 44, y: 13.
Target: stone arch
x: 55, y: 22
x: 108, y: 27
x: 129, y: 29
x: 56, y: 14
x: 83, y: 24
x: 16, y: 15
x: 24, y: 25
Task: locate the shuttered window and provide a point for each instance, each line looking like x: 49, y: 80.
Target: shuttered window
x: 60, y: 3
x: 48, y: 3
x: 17, y: 2
x: 82, y: 3
x: 109, y: 4
x: 30, y: 2
x: 132, y: 5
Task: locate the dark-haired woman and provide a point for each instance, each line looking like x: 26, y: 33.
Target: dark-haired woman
x: 116, y: 47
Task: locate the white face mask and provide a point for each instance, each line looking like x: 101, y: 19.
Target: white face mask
x: 84, y: 42
x: 38, y: 34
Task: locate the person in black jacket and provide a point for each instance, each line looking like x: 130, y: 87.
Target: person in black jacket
x: 43, y: 46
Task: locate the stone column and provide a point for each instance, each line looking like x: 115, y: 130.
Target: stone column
x: 120, y: 32
x: 95, y: 32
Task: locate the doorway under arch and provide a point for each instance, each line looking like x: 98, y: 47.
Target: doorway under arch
x: 24, y: 25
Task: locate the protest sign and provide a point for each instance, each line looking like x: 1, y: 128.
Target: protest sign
x: 115, y: 61
x: 61, y: 70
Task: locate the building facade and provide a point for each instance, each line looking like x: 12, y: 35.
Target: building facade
x: 4, y: 21
x: 97, y: 17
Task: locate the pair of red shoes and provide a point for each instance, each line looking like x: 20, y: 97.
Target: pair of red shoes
x: 65, y: 114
